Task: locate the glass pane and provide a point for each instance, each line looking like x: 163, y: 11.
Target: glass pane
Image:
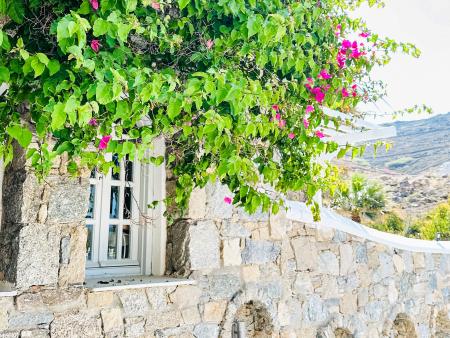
x: 114, y: 203
x: 127, y: 203
x: 112, y: 242
x: 93, y: 172
x: 116, y: 170
x: 90, y: 213
x: 89, y: 242
x: 125, y: 241
x: 128, y: 170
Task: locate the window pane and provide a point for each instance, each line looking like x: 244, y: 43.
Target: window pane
x: 128, y: 170
x: 112, y: 242
x: 114, y: 203
x: 127, y: 203
x: 116, y: 170
x: 93, y: 172
x: 89, y: 242
x: 126, y: 241
x: 90, y: 213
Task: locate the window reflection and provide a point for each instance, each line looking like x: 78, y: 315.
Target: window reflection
x: 89, y: 242
x: 116, y: 169
x: 90, y: 213
x: 114, y: 202
x: 128, y: 169
x: 126, y: 241
x: 127, y: 203
x: 112, y: 242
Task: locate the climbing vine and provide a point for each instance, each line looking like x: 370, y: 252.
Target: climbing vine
x: 236, y: 87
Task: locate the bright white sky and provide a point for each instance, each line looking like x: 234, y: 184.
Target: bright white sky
x: 426, y: 23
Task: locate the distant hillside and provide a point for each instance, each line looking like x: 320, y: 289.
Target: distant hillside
x: 420, y: 146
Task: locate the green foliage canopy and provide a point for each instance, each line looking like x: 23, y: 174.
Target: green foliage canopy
x: 203, y: 74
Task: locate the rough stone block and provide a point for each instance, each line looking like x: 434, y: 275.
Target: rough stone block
x: 100, y: 299
x: 3, y: 320
x: 328, y: 263
x: 191, y: 315
x: 29, y: 320
x: 206, y: 331
x: 72, y: 269
x: 197, y: 204
x: 260, y: 252
x: 30, y: 301
x: 135, y: 327
x: 204, y: 246
x: 419, y: 260
x: 250, y: 273
x: 216, y: 208
x: 112, y: 321
x: 278, y: 225
x: 134, y: 302
x: 214, y: 311
x: 67, y: 200
x: 346, y: 259
x: 185, y: 296
x: 38, y: 255
x: 232, y: 229
x: 231, y: 252
x: 305, y: 253
x: 348, y: 304
x: 60, y: 300
x: 223, y: 286
x: 324, y: 234
x: 34, y: 334
x: 76, y: 325
x: 398, y: 263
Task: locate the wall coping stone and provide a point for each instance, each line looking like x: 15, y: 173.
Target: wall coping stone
x: 7, y: 290
x: 108, y: 283
x: 300, y: 212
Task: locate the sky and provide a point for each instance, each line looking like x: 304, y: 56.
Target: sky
x: 410, y: 81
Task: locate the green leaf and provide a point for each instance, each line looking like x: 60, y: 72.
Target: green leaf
x: 100, y: 27
x: 254, y: 25
x: 16, y: 10
x: 174, y: 108
x: 53, y: 67
x: 70, y: 109
x: 104, y: 93
x: 4, y: 74
x: 123, y: 31
x: 183, y: 3
x: 21, y: 134
x: 65, y: 146
x: 84, y: 114
x: 37, y: 66
x: 42, y: 58
x: 58, y: 116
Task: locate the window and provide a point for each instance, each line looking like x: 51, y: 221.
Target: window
x: 124, y: 236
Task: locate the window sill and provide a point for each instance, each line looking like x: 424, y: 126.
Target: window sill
x: 133, y: 282
x: 6, y: 290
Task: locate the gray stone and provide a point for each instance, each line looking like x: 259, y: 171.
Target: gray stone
x: 361, y: 254
x: 206, y: 331
x: 29, y: 320
x: 257, y: 216
x: 134, y: 327
x: 260, y: 252
x: 76, y: 325
x: 316, y: 310
x: 9, y: 334
x: 134, y: 302
x: 35, y: 334
x: 67, y: 203
x: 305, y: 253
x: 374, y: 311
x: 328, y: 263
x: 232, y: 229
x: 204, y: 246
x: 223, y: 286
x: 216, y: 208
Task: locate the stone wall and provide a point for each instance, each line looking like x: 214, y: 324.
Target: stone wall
x: 278, y: 277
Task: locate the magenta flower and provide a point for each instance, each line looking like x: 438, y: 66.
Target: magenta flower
x: 95, y: 45
x: 354, y: 86
x: 309, y: 109
x: 344, y: 92
x: 319, y: 134
x: 104, y: 142
x: 227, y: 200
x: 324, y: 75
x: 319, y: 95
x: 341, y: 60
x: 364, y: 34
x: 282, y: 123
x: 337, y: 31
x: 275, y: 107
x: 156, y: 6
x: 346, y: 44
x: 291, y: 135
x: 94, y: 4
x: 305, y: 123
x: 93, y: 122
x: 209, y: 44
x: 354, y: 94
x: 278, y: 116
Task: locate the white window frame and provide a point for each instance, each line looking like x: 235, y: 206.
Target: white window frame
x: 148, y: 244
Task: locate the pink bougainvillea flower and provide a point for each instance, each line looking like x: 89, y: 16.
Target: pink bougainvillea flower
x: 156, y: 6
x: 319, y: 134
x: 93, y: 122
x: 324, y: 75
x: 364, y: 34
x: 344, y: 92
x: 209, y: 44
x: 346, y: 44
x: 305, y: 123
x: 278, y: 116
x: 341, y: 60
x: 95, y: 45
x: 354, y: 94
x: 282, y: 123
x: 227, y: 200
x: 309, y: 109
x: 275, y: 107
x: 355, y: 44
x: 94, y: 4
x: 337, y: 31
x: 291, y: 135
x: 354, y: 86
x: 319, y: 95
x: 310, y: 80
x: 326, y: 88
x: 104, y: 142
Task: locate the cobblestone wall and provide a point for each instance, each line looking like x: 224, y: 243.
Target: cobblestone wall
x: 280, y: 278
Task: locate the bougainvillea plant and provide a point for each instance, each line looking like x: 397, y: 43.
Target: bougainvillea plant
x: 236, y: 87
